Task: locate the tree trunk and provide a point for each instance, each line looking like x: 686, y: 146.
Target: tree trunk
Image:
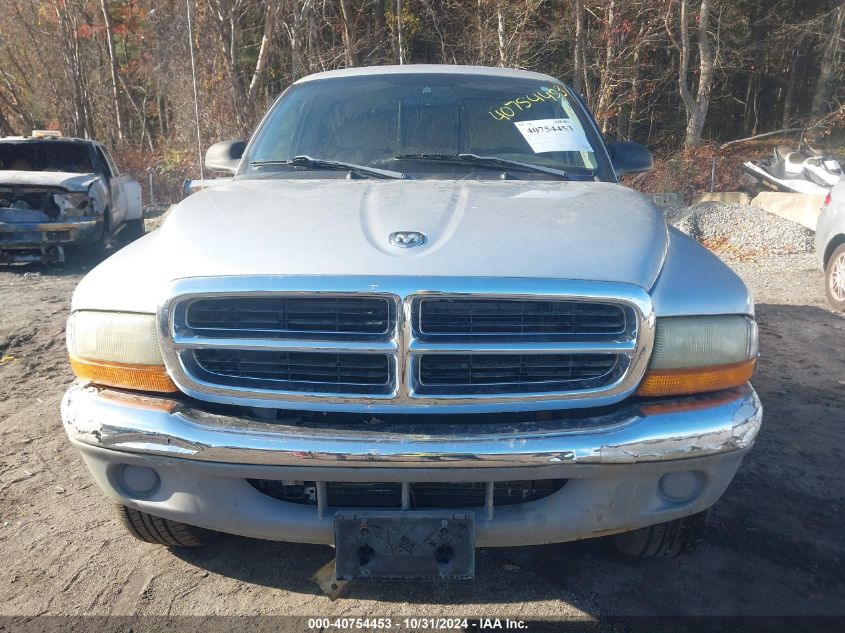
x: 578, y: 71
x: 297, y: 35
x: 751, y: 115
x: 607, y: 74
x: 348, y: 33
x: 824, y: 84
x: 5, y: 126
x: 791, y: 83
x: 399, y: 44
x: 228, y: 31
x: 500, y: 31
x: 162, y: 117
x: 378, y: 17
x: 697, y: 106
x: 635, y: 94
x: 82, y: 124
x: 140, y: 112
x: 16, y: 103
x: 380, y: 30
x: 263, y: 53
x: 113, y: 67
x: 238, y: 96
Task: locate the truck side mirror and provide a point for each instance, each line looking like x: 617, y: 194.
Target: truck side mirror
x: 629, y: 158
x: 225, y: 156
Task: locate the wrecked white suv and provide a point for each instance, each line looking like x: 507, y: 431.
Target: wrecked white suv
x: 57, y: 192
x: 423, y: 317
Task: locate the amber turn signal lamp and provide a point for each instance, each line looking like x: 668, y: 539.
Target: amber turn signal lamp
x: 139, y: 377
x: 677, y: 382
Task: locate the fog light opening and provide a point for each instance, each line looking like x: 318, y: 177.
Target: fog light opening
x: 139, y: 481
x: 681, y: 486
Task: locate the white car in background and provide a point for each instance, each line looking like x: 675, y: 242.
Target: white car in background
x: 830, y: 244
x: 56, y: 192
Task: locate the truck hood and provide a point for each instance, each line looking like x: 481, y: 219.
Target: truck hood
x: 553, y: 230
x: 65, y: 180
x: 568, y: 230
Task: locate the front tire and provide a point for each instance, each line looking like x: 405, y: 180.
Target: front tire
x: 669, y: 539
x: 92, y: 253
x: 132, y: 230
x: 835, y: 278
x: 152, y: 529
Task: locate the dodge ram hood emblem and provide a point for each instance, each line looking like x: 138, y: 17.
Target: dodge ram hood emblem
x: 407, y: 239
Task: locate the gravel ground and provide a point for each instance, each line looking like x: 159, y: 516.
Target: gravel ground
x: 735, y: 227
x: 775, y: 547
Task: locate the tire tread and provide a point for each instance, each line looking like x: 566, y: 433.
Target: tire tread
x: 152, y: 529
x: 669, y: 539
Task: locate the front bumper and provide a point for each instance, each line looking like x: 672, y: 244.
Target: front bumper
x: 613, y: 463
x: 19, y: 239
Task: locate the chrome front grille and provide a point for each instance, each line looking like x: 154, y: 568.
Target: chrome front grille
x: 513, y: 373
x: 297, y: 371
x: 290, y: 316
x: 394, y: 345
x: 514, y: 318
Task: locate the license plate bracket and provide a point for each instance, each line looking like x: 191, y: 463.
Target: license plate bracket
x: 405, y: 545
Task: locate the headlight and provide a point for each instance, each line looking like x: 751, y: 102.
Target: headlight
x: 699, y: 354
x: 117, y: 349
x: 75, y: 204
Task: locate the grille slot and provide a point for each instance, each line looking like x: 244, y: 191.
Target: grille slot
x: 422, y: 494
x: 298, y: 371
x: 501, y: 318
x: 290, y: 316
x: 472, y: 495
x: 491, y: 373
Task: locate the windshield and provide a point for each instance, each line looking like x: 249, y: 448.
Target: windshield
x: 416, y: 124
x: 46, y: 156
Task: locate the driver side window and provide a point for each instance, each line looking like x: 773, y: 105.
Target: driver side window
x: 106, y: 166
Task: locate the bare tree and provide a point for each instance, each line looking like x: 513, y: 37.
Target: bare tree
x: 578, y: 72
x: 226, y: 14
x: 697, y: 106
x: 263, y: 51
x: 607, y: 73
x: 500, y: 32
x: 296, y: 27
x: 119, y: 69
x: 113, y: 68
x: 348, y: 32
x: 831, y: 51
x: 67, y: 15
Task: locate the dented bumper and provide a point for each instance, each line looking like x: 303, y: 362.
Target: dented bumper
x: 19, y: 240
x: 614, y: 464
x: 663, y: 430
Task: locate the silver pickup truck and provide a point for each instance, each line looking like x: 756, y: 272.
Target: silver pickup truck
x: 57, y: 192
x: 423, y: 317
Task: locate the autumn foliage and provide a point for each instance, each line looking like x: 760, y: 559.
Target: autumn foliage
x: 120, y: 70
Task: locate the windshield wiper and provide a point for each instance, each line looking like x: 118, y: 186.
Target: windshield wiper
x: 490, y: 162
x: 317, y: 163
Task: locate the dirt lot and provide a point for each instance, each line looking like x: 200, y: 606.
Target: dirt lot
x: 776, y: 547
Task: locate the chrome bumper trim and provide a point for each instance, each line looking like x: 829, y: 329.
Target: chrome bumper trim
x: 644, y: 432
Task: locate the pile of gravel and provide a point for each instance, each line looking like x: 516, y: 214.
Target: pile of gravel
x: 740, y: 227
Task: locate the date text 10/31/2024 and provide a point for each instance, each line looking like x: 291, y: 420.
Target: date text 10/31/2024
x: 416, y: 624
